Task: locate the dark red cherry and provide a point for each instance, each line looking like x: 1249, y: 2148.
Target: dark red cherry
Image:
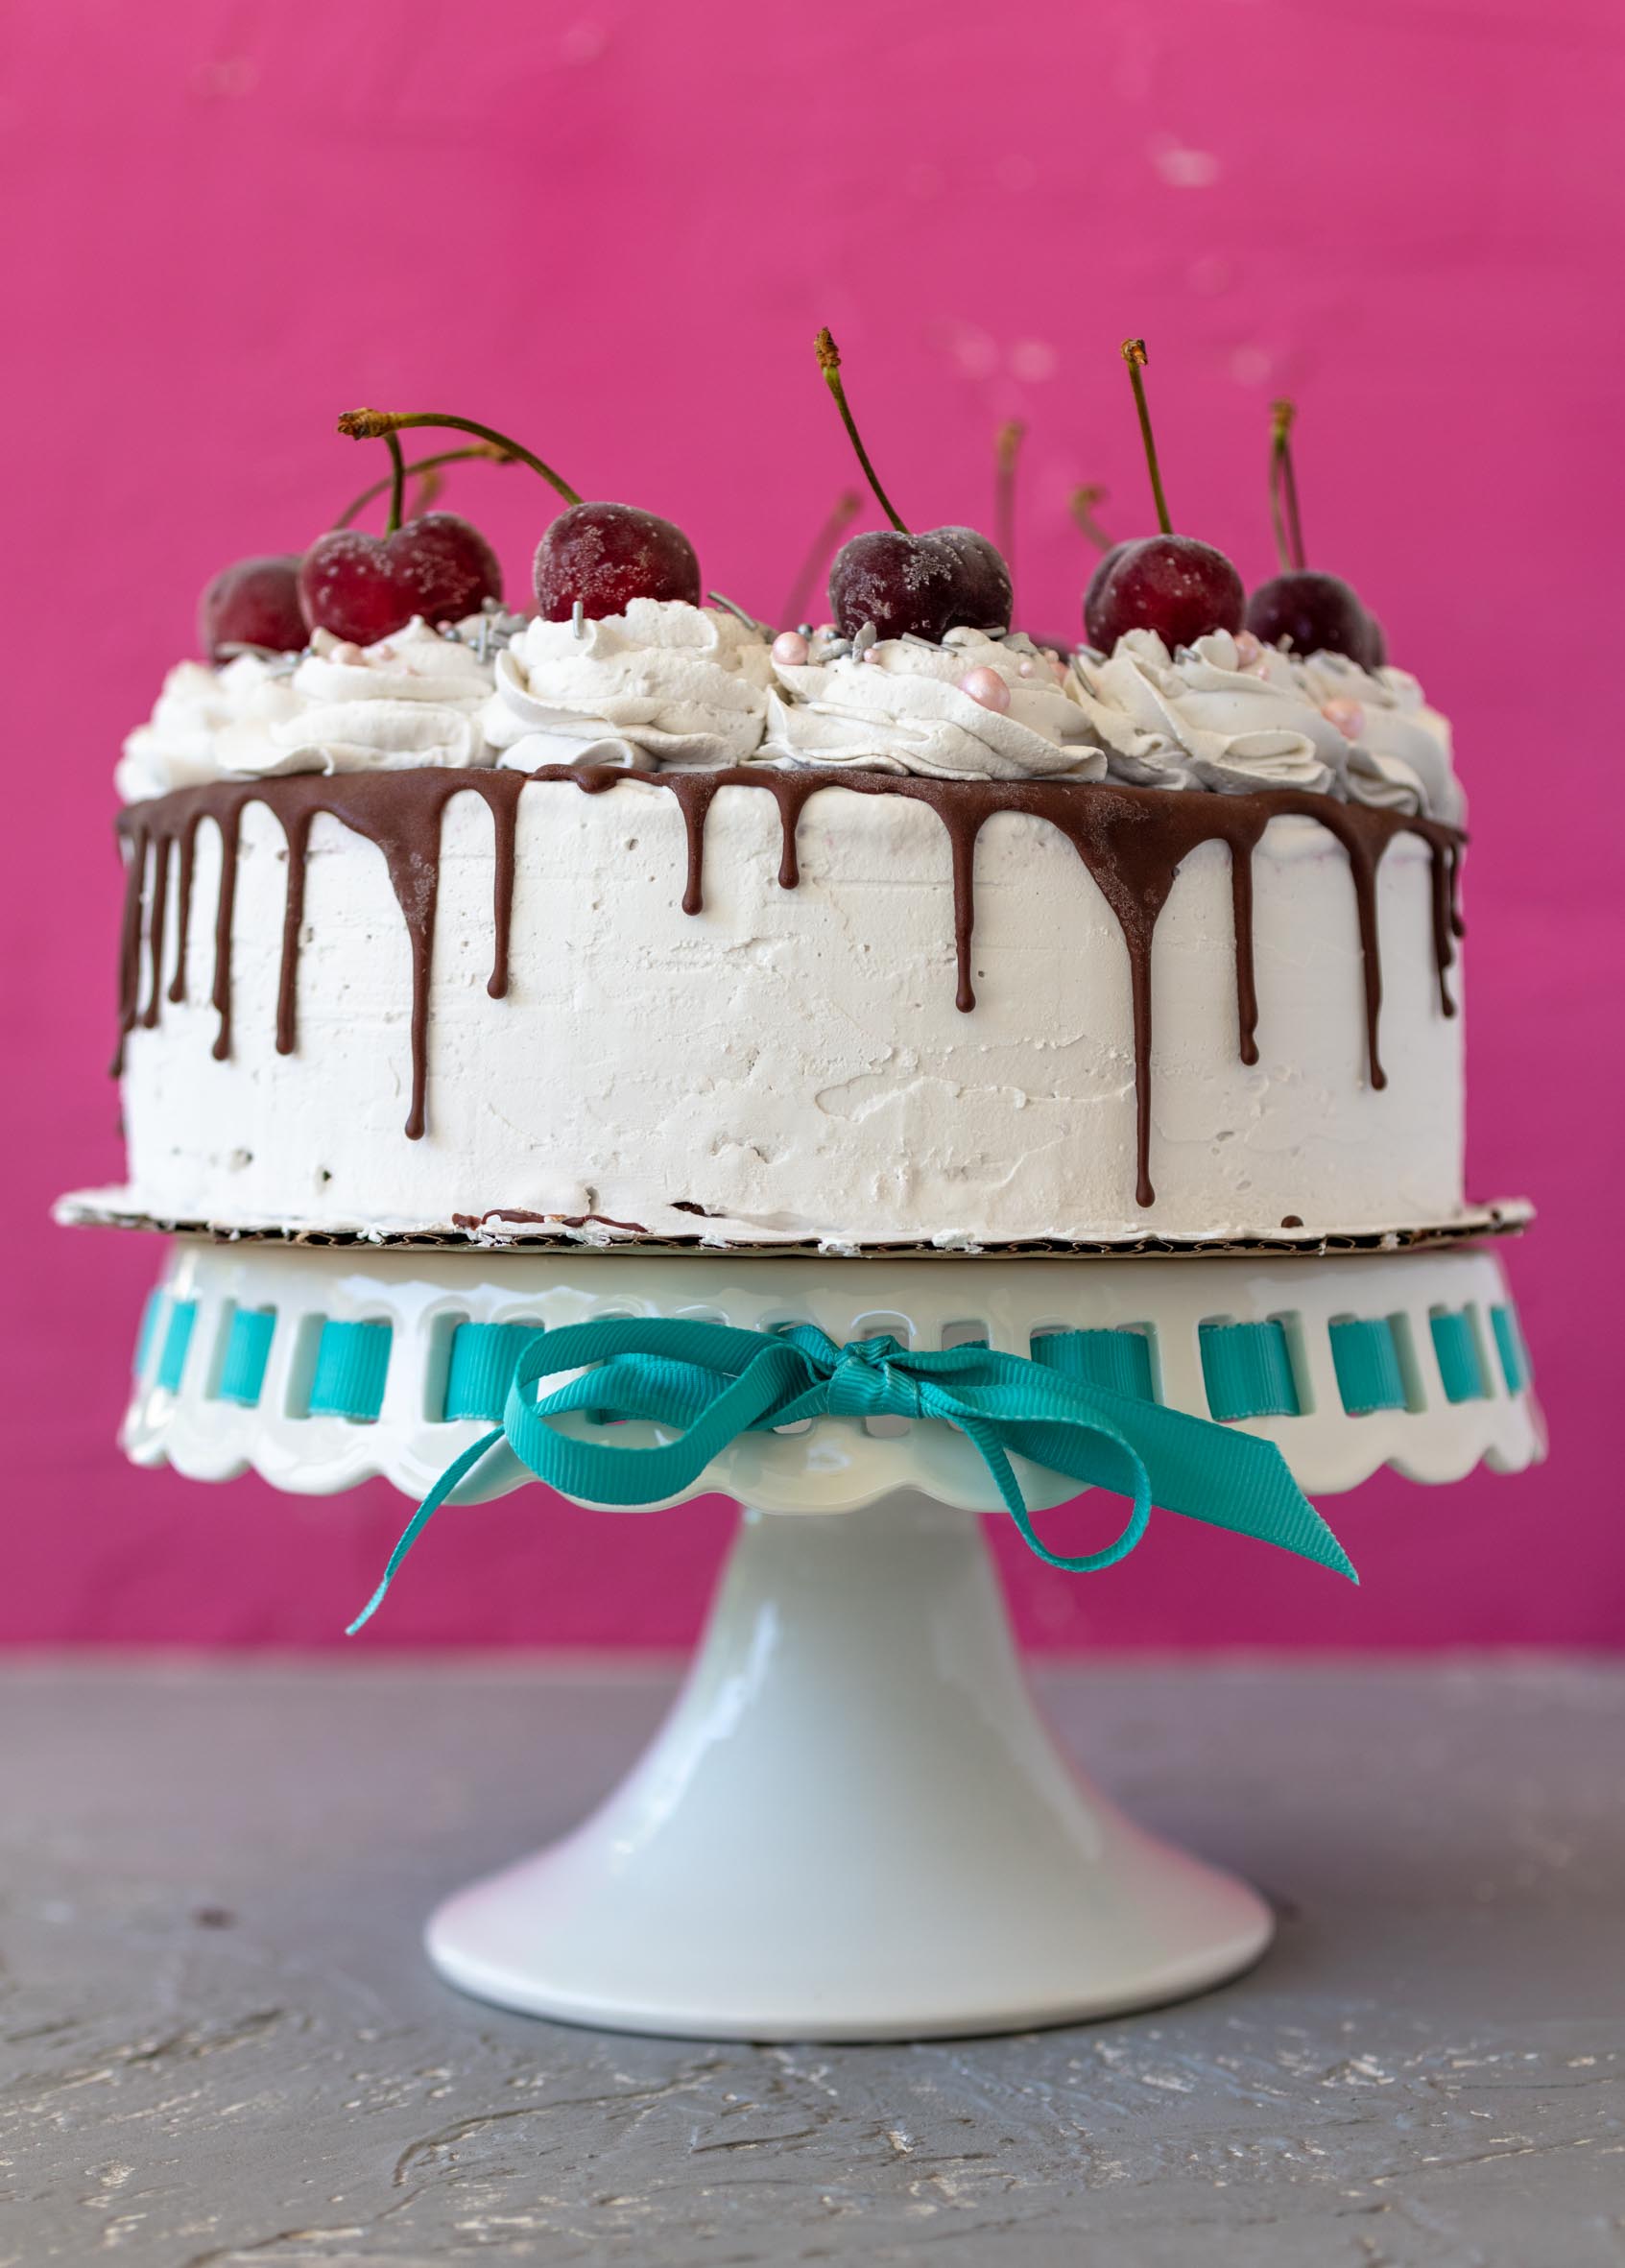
x: 903, y: 583
x: 1093, y: 628
x: 253, y: 603
x: 1309, y: 612
x: 601, y: 557
x: 982, y: 597
x: 366, y: 588
x: 921, y: 585
x: 1175, y: 584
x: 1377, y: 644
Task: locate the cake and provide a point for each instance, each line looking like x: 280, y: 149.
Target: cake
x: 634, y: 922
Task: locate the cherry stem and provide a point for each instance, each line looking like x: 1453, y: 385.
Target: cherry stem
x: 848, y: 505
x: 397, y: 483
x: 1284, y: 489
x: 422, y: 464
x: 1083, y: 502
x: 830, y: 363
x: 374, y: 424
x: 1134, y: 355
x: 1007, y: 450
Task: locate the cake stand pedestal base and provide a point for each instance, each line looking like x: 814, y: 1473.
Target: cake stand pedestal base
x: 852, y: 1825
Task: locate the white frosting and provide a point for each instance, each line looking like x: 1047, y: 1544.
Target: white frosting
x: 898, y: 707
x: 792, y: 1061
x: 410, y: 700
x: 1209, y: 717
x: 205, y: 723
x: 664, y: 684
x: 1400, y: 756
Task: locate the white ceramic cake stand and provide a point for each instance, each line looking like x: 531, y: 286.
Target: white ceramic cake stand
x: 853, y: 1825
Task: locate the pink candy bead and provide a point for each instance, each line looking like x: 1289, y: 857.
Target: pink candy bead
x: 790, y: 648
x: 1247, y: 648
x: 987, y: 688
x: 1348, y: 716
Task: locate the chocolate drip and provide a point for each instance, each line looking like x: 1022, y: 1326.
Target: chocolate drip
x: 228, y: 818
x: 156, y: 924
x: 1132, y: 840
x: 183, y: 907
x: 401, y: 812
x: 296, y: 826
x: 505, y: 818
x: 1241, y: 930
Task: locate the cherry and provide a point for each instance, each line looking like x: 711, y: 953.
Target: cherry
x: 1377, y: 644
x: 905, y: 585
x: 1175, y: 585
x: 1301, y: 608
x: 982, y: 594
x: 366, y: 588
x: 1095, y: 621
x: 1311, y: 613
x: 253, y: 603
x: 910, y: 585
x: 600, y: 557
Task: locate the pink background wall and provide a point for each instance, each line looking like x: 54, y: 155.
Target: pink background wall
x: 613, y: 229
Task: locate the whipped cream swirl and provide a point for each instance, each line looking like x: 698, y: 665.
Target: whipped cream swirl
x: 1400, y: 756
x: 207, y: 724
x: 898, y: 706
x: 665, y: 684
x: 412, y: 698
x: 1233, y: 717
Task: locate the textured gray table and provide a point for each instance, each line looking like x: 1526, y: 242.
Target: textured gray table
x: 222, y: 2046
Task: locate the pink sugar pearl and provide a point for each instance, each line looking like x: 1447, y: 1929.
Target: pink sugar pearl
x: 1348, y: 716
x: 790, y: 648
x: 987, y: 688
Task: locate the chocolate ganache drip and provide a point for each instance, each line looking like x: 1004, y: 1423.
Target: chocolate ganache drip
x: 1133, y: 842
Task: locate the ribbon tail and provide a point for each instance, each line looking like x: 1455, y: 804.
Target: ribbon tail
x: 458, y: 1469
x: 1202, y: 1471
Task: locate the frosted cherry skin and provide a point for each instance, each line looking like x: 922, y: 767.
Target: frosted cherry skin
x: 1310, y: 612
x: 921, y: 585
x: 253, y: 603
x: 901, y: 584
x: 1177, y: 586
x: 1377, y: 644
x: 983, y: 596
x: 600, y: 557
x: 366, y: 588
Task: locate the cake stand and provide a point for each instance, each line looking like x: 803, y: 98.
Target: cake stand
x: 853, y: 1825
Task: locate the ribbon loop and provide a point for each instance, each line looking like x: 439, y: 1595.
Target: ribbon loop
x: 705, y: 1384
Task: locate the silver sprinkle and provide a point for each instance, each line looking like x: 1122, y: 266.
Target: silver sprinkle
x: 867, y: 636
x: 578, y: 619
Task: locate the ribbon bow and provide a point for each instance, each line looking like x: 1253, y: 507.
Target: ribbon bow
x: 709, y: 1383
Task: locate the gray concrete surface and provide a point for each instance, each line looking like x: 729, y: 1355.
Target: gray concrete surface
x: 222, y: 2049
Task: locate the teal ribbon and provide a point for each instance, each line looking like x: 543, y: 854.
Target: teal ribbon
x: 710, y: 1383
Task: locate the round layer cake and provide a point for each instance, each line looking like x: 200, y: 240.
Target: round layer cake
x: 640, y: 932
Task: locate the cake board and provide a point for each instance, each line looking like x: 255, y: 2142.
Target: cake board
x: 854, y: 1824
